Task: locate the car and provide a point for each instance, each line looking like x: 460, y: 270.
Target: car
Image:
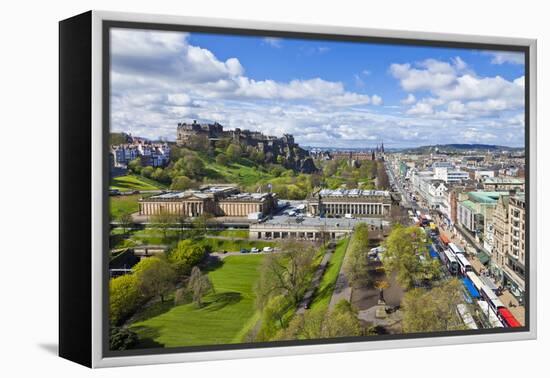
x: 254, y: 250
x: 244, y: 250
x: 268, y: 249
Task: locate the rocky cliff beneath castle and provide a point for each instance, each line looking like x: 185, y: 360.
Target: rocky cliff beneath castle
x: 276, y: 149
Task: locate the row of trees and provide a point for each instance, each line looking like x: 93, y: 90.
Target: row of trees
x: 407, y: 255
x: 154, y: 278
x: 356, y: 261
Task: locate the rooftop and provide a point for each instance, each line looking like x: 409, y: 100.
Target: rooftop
x: 503, y: 180
x: 485, y: 197
x: 352, y: 193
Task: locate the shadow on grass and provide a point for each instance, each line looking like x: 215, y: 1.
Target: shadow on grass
x: 155, y: 309
x: 147, y: 336
x: 219, y: 301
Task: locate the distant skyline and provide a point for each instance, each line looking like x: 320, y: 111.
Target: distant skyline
x: 325, y: 93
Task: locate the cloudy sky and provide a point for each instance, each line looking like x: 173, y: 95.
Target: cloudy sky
x: 326, y: 93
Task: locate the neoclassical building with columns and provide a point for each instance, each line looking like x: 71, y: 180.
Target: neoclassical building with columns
x: 217, y: 200
x: 356, y: 202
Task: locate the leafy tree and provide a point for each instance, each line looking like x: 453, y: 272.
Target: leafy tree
x: 200, y: 225
x: 123, y: 297
x: 147, y: 171
x: 356, y: 268
x: 161, y: 175
x: 155, y: 277
x: 286, y: 273
x: 404, y: 246
x: 433, y: 310
x: 163, y: 220
x: 382, y: 177
x: 182, y: 183
x: 200, y: 285
x: 121, y: 338
x: 222, y: 159
x: 135, y: 165
x: 234, y: 151
x: 125, y: 221
x: 186, y: 255
x: 341, y: 322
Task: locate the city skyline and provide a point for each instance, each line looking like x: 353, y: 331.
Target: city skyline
x: 325, y: 93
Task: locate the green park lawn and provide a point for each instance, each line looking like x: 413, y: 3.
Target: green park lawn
x: 133, y: 182
x: 124, y: 204
x: 226, y: 317
x: 323, y: 294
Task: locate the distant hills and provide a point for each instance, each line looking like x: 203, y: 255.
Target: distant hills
x: 461, y: 148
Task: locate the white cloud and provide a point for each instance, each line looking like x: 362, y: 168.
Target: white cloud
x: 502, y: 57
x: 273, y: 42
x: 409, y: 100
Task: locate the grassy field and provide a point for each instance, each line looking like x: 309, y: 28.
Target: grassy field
x: 218, y: 245
x: 133, y: 182
x: 326, y: 287
x: 231, y: 233
x: 122, y: 204
x: 226, y: 318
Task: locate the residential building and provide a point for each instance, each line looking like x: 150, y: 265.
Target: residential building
x: 502, y: 184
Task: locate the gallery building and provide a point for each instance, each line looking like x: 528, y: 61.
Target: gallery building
x: 356, y: 202
x: 219, y: 200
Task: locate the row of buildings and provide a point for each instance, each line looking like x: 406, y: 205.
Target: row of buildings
x: 483, y: 196
x: 151, y: 154
x: 214, y: 200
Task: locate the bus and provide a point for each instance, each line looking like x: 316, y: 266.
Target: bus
x: 475, y: 280
x: 456, y: 250
x: 507, y: 318
x: 466, y: 316
x: 490, y: 314
x: 491, y: 298
x: 450, y: 261
x: 474, y: 293
x: 464, y: 264
x: 444, y: 240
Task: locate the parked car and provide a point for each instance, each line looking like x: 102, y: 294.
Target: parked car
x: 254, y: 250
x: 244, y: 250
x: 268, y: 249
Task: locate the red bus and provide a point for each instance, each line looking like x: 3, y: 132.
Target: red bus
x: 506, y: 316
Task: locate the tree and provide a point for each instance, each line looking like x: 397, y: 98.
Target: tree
x: 147, y: 171
x: 222, y: 159
x: 341, y: 322
x: 382, y: 177
x: 121, y: 338
x: 163, y: 220
x: 155, y: 277
x: 181, y: 183
x: 123, y: 297
x: 200, y: 285
x: 125, y: 221
x: 200, y: 225
x: 233, y: 151
x: 161, y: 175
x: 356, y: 268
x: 433, y: 310
x: 186, y: 255
x: 135, y: 165
x: 286, y: 273
x: 404, y: 246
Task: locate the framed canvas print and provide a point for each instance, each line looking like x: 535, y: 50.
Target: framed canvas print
x: 234, y: 189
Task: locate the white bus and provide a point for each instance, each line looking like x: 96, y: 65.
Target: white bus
x: 475, y: 280
x: 466, y: 316
x: 451, y: 262
x: 491, y: 298
x: 490, y: 314
x: 456, y: 250
x: 464, y: 264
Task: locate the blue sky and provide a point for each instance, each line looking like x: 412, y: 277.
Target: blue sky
x: 326, y: 93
